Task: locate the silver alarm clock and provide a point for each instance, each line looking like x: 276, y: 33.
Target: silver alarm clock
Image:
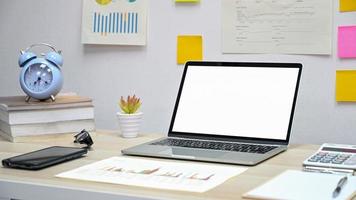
x: 41, y: 77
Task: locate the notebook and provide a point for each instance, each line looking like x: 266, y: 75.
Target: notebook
x: 293, y: 184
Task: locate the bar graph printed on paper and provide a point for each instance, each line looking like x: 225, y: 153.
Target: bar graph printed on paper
x: 115, y: 23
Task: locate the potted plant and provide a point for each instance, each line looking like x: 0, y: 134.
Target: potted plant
x: 129, y: 117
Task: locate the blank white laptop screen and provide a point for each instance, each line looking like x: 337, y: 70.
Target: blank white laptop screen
x: 237, y: 101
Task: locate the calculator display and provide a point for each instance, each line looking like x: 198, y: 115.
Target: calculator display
x: 339, y: 150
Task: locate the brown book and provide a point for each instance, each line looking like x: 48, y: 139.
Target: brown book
x: 18, y: 103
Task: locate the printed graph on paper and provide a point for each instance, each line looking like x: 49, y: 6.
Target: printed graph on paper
x: 181, y: 176
x: 115, y: 22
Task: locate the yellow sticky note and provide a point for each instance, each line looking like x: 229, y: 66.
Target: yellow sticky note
x: 187, y: 1
x: 346, y: 85
x: 347, y: 5
x: 189, y: 47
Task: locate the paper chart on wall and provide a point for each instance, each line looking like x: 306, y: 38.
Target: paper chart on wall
x: 269, y: 26
x: 116, y: 22
x: 155, y: 174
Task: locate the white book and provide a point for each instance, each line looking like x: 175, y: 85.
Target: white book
x: 46, y: 115
x: 47, y: 128
x: 39, y: 138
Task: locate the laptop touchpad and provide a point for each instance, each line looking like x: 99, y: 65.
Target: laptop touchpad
x: 192, y: 153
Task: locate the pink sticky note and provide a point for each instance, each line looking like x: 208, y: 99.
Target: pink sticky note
x: 347, y: 42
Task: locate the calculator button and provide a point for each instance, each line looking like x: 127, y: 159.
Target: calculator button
x: 337, y: 162
x: 339, y: 159
x: 344, y: 157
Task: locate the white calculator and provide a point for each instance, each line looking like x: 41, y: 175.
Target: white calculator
x: 340, y: 156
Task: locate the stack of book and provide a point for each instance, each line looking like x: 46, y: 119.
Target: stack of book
x: 69, y: 113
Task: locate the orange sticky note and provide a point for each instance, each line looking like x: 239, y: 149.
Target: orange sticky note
x: 189, y: 47
x: 347, y: 5
x: 345, y: 85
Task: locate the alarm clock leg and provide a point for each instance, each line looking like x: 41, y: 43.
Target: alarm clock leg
x: 52, y: 98
x: 27, y: 98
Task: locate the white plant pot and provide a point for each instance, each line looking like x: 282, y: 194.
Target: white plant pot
x: 129, y: 124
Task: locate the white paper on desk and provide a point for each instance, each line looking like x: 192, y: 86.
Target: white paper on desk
x: 176, y: 175
x: 293, y: 184
x: 284, y: 26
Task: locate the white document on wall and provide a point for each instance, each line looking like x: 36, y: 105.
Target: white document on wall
x: 277, y: 26
x: 176, y: 175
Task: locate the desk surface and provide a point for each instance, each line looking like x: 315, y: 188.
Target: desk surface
x: 42, y: 184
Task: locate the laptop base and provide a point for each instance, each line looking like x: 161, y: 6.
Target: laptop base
x: 184, y: 153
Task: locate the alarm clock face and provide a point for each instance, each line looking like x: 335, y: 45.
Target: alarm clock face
x: 38, y: 77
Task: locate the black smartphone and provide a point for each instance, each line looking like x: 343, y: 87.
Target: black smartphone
x: 44, y: 157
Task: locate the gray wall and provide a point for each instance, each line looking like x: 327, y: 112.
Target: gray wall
x: 107, y: 72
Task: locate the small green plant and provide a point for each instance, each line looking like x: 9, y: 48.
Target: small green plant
x: 131, y: 105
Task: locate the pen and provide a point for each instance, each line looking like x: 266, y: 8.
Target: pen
x: 339, y: 186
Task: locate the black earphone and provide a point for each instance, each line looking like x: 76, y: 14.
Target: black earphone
x: 83, y: 137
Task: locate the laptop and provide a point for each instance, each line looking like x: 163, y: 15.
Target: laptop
x: 229, y: 112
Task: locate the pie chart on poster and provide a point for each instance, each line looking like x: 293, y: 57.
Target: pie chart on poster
x: 106, y: 2
x: 103, y: 2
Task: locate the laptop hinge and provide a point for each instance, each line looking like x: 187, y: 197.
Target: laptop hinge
x: 232, y: 140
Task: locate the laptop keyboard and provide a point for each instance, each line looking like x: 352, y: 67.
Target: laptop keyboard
x: 237, y: 147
